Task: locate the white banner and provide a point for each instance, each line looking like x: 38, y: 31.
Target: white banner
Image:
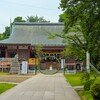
x: 62, y: 63
x: 88, y: 61
x: 24, y: 67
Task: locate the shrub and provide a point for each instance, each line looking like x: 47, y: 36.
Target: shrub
x: 84, y: 76
x: 95, y: 91
x: 87, y: 84
x: 98, y: 66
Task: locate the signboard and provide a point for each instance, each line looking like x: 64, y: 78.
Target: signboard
x: 23, y: 47
x: 33, y: 61
x: 24, y: 67
x: 12, y: 47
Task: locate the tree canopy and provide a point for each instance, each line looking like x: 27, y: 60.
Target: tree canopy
x: 7, y: 32
x: 83, y: 18
x: 19, y: 19
x: 35, y: 19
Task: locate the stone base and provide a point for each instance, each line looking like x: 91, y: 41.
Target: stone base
x: 15, y: 68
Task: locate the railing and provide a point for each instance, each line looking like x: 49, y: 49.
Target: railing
x: 5, y: 63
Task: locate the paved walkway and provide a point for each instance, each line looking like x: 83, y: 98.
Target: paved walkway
x: 42, y: 87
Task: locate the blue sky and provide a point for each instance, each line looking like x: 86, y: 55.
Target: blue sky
x: 9, y: 9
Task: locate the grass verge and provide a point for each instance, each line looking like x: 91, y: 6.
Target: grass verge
x: 4, y: 87
x: 4, y: 73
x: 73, y: 79
x: 84, y: 95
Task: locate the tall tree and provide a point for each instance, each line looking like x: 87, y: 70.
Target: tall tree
x: 83, y: 17
x: 36, y: 19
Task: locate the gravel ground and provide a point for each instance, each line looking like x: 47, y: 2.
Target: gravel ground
x: 14, y: 78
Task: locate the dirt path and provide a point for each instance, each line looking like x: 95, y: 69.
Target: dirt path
x: 14, y: 78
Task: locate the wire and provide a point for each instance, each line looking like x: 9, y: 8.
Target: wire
x: 28, y: 5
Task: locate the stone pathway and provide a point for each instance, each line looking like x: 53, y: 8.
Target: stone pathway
x: 42, y: 87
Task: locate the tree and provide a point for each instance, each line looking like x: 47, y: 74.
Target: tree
x: 61, y: 18
x: 38, y: 55
x: 19, y: 19
x: 73, y: 51
x: 82, y: 17
x: 6, y: 34
x: 35, y: 19
x: 1, y: 36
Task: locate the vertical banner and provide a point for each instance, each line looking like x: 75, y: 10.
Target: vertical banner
x: 88, y: 61
x: 24, y: 67
x: 62, y: 63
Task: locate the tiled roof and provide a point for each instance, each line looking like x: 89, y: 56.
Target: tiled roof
x: 34, y: 34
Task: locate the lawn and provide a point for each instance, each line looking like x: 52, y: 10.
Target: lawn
x: 4, y: 73
x: 73, y: 79
x: 5, y: 86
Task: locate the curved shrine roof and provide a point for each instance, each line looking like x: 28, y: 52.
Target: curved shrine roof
x: 35, y: 33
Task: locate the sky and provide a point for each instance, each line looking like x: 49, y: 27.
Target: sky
x: 9, y: 9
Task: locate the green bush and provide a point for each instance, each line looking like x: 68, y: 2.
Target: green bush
x: 85, y: 76
x: 98, y: 66
x: 95, y: 91
x: 87, y: 84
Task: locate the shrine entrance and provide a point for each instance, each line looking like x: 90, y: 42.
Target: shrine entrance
x: 49, y: 65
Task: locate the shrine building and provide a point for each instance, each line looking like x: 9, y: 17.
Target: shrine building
x: 26, y: 36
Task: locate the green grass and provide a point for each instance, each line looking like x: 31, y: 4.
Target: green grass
x: 4, y: 73
x: 73, y: 79
x: 5, y: 86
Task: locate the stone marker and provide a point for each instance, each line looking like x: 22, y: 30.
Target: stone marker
x: 15, y: 68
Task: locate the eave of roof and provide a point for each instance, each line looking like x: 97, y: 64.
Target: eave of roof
x: 35, y: 23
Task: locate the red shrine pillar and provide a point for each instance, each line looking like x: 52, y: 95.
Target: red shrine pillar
x: 6, y: 53
x: 28, y: 54
x: 17, y: 50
